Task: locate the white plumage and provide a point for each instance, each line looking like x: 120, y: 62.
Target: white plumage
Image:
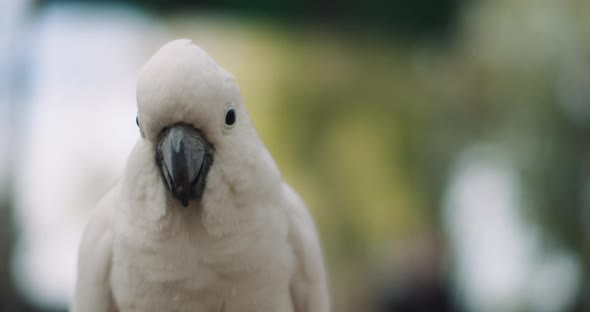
x: 247, y: 243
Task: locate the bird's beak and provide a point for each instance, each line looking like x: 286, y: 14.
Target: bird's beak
x: 184, y: 157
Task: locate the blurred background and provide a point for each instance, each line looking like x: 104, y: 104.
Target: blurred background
x: 443, y: 146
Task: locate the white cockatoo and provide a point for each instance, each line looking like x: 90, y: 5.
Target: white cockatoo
x: 201, y: 219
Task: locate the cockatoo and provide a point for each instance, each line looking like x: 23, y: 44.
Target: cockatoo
x: 201, y: 219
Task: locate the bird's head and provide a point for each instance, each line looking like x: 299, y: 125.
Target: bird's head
x: 190, y: 110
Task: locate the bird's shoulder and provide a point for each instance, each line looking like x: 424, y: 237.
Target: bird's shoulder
x: 97, y: 236
x: 295, y: 206
x: 94, y: 260
x: 303, y: 235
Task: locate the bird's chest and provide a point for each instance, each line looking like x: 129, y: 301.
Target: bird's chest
x: 182, y: 273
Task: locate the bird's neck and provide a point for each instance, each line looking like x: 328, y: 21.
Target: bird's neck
x: 238, y: 191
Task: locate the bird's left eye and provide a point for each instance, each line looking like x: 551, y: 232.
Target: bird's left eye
x: 137, y: 120
x: 230, y: 116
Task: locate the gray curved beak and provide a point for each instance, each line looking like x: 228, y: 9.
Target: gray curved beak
x: 184, y: 156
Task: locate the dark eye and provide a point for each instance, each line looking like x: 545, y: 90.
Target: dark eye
x: 230, y: 117
x: 137, y: 120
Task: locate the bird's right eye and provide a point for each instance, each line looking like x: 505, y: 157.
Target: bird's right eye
x: 137, y: 120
